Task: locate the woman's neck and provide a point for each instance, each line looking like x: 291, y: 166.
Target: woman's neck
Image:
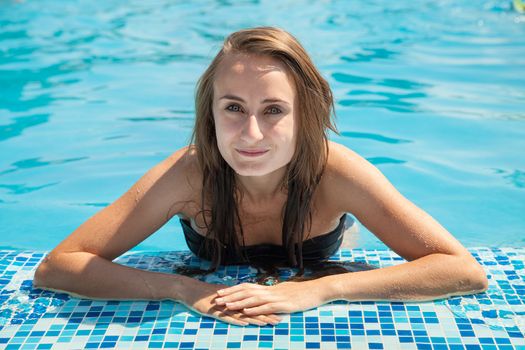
x: 261, y: 189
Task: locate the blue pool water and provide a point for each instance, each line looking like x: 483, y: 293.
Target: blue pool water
x: 93, y: 94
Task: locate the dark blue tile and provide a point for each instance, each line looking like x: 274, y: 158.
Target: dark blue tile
x: 327, y: 338
x: 422, y: 346
x: 467, y: 334
x: 486, y: 341
x: 472, y: 347
x: 515, y: 334
x: 108, y: 345
x: 439, y: 347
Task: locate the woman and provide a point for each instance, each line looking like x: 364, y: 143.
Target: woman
x: 261, y: 181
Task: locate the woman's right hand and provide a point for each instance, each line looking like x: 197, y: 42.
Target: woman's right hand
x: 200, y: 297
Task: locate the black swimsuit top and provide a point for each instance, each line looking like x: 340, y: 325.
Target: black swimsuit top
x: 314, y: 249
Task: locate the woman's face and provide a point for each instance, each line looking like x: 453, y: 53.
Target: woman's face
x: 253, y: 109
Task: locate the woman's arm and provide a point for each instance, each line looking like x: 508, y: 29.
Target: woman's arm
x: 87, y: 275
x: 81, y: 263
x: 438, y: 265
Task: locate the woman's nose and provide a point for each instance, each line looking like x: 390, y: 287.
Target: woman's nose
x: 251, y: 130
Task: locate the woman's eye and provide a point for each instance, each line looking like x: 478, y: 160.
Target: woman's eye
x: 274, y: 110
x: 233, y: 108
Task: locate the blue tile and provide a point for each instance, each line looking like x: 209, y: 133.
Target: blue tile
x: 156, y: 319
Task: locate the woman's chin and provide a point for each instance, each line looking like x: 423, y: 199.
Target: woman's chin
x: 251, y: 172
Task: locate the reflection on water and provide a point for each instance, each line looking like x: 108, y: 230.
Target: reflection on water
x: 23, y: 189
x: 388, y: 82
x: 516, y: 177
x: 384, y: 160
x: 37, y: 162
x: 392, y: 101
x: 369, y: 54
x: 371, y: 136
x: 19, y: 124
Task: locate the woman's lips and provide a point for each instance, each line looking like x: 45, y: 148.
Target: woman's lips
x: 252, y: 152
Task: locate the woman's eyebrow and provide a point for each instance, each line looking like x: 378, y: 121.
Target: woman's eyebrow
x: 266, y: 100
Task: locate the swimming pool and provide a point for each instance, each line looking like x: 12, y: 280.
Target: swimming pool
x: 92, y: 94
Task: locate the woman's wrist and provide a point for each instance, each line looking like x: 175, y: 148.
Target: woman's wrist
x: 332, y: 288
x: 180, y: 287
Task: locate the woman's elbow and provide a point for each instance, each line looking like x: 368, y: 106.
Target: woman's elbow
x: 477, y: 277
x: 43, y: 273
x: 482, y: 281
x: 39, y: 279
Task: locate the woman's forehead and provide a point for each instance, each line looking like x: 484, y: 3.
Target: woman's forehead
x: 250, y: 63
x: 235, y: 71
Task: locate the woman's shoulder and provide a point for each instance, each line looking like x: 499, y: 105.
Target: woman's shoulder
x: 345, y: 172
x: 178, y: 180
x: 184, y: 164
x: 341, y: 159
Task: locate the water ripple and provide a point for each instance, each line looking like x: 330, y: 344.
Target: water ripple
x: 20, y: 124
x: 38, y: 162
x: 375, y: 137
x: 23, y: 189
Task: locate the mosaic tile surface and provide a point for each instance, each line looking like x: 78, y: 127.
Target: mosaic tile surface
x: 37, y: 319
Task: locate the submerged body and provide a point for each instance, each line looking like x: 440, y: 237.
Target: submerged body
x: 314, y: 249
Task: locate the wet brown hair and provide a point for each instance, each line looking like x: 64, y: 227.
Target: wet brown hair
x: 315, y: 112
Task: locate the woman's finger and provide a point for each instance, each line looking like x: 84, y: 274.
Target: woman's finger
x: 228, y: 317
x: 260, y: 321
x: 245, y: 303
x: 236, y: 288
x: 236, y: 296
x: 261, y: 309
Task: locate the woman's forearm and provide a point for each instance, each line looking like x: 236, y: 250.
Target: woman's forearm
x: 87, y: 275
x: 431, y: 277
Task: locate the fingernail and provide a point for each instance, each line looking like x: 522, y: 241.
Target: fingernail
x: 219, y: 300
x: 220, y: 291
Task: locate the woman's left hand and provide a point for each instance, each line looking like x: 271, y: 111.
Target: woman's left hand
x: 285, y: 297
